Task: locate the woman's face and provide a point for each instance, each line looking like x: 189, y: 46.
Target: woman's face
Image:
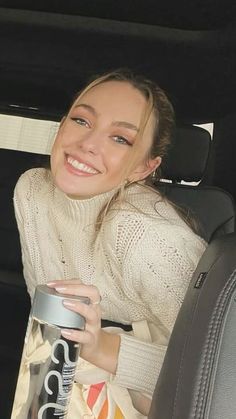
x: 95, y: 141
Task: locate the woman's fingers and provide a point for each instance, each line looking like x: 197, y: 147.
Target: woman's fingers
x: 89, y: 337
x: 89, y: 312
x: 74, y: 287
x: 84, y: 337
x: 72, y: 281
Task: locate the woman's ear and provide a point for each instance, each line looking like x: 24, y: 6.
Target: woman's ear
x: 145, y: 169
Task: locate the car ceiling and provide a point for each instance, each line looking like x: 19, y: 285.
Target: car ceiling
x: 184, y: 14
x: 188, y: 47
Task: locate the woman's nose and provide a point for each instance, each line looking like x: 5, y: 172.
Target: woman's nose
x: 91, y: 143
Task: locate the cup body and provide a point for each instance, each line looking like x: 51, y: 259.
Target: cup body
x: 49, y: 360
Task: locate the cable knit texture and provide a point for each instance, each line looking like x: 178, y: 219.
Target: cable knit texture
x: 142, y: 260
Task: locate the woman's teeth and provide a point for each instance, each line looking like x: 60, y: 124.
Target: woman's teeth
x: 81, y: 166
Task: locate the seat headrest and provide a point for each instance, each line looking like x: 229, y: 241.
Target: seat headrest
x: 188, y: 156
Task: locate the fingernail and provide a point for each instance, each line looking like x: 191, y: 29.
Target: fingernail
x: 66, y: 332
x: 51, y: 283
x: 60, y: 289
x: 68, y: 303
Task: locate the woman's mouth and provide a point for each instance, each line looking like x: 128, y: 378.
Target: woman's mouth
x: 81, y: 167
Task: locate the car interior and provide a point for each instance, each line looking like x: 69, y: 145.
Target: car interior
x: 48, y: 52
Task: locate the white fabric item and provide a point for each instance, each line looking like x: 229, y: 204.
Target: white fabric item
x: 27, y: 134
x: 142, y: 260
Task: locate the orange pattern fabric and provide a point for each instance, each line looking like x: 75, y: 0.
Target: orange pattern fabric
x: 93, y: 394
x: 104, y: 412
x: 99, y: 403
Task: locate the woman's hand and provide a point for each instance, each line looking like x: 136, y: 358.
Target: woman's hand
x: 98, y: 347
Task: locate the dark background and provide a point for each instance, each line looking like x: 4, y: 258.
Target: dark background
x: 49, y: 50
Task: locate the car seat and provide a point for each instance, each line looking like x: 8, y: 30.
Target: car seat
x: 188, y: 161
x: 198, y: 376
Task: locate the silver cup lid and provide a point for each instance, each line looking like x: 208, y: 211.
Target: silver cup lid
x: 48, y: 307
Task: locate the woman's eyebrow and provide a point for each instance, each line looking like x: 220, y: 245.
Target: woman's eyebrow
x: 124, y: 124
x: 88, y: 107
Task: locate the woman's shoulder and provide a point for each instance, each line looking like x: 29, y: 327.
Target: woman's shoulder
x: 32, y: 186
x: 153, y: 231
x: 144, y: 203
x: 33, y: 180
x: 146, y: 214
x: 140, y: 210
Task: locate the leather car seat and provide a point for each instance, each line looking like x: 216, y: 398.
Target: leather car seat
x: 187, y: 161
x: 198, y: 376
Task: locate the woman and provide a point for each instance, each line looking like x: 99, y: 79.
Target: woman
x: 91, y: 227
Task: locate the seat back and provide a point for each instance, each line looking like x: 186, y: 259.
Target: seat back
x: 198, y: 377
x: 187, y: 161
x: 200, y: 360
x: 212, y: 207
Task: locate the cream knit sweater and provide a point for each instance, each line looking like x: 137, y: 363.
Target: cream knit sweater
x: 141, y: 260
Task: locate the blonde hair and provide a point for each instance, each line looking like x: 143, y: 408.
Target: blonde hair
x: 158, y: 105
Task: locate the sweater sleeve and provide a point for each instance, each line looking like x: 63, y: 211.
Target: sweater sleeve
x: 159, y: 269
x: 22, y: 209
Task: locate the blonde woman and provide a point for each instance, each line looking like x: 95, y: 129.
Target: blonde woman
x: 90, y: 227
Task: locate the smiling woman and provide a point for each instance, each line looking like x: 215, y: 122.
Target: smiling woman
x: 136, y: 266
x: 93, y: 148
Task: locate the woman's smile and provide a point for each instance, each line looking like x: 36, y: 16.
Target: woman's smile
x: 78, y: 167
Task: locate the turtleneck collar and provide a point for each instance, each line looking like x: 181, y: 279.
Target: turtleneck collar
x: 84, y: 211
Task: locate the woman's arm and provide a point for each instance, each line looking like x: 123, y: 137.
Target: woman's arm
x: 19, y: 202
x: 158, y: 269
x: 99, y: 347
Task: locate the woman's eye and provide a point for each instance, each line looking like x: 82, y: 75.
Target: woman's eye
x: 81, y: 121
x: 122, y: 140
